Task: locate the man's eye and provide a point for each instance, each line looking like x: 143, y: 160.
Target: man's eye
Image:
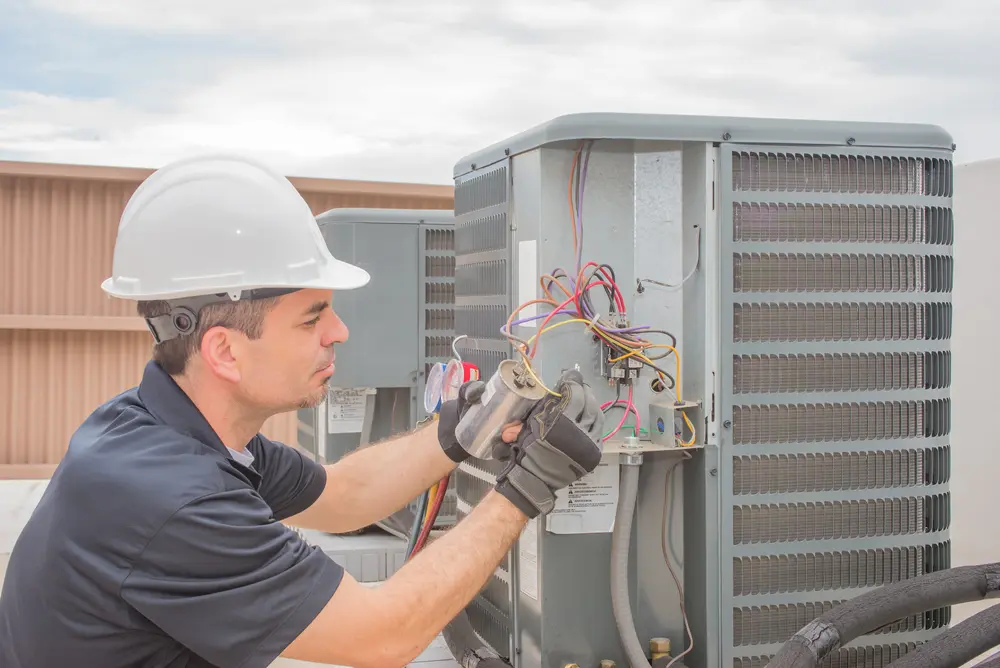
x: 312, y: 322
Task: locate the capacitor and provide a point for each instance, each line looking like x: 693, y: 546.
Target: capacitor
x: 508, y: 397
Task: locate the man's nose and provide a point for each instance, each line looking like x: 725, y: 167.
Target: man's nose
x: 335, y: 331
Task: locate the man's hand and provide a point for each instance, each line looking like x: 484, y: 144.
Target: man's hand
x: 560, y: 444
x: 451, y: 414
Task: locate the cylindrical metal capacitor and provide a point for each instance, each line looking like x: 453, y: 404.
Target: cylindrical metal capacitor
x: 508, y: 397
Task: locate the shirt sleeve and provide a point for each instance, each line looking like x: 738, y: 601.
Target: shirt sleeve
x: 229, y: 582
x: 290, y: 481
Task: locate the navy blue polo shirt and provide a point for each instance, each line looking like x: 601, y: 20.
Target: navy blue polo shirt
x: 153, y: 547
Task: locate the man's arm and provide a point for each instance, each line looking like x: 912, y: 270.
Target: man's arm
x: 375, y: 481
x: 391, y: 624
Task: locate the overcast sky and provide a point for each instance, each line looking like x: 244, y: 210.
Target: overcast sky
x: 401, y: 89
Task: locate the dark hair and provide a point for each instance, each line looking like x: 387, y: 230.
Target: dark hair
x: 245, y: 316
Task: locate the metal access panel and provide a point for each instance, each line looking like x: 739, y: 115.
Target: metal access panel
x: 400, y: 324
x: 805, y: 270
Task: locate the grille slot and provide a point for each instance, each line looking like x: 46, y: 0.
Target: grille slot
x: 841, y: 322
x: 833, y: 520
x: 481, y: 279
x: 810, y: 423
x: 829, y: 471
x: 439, y: 240
x: 439, y: 319
x: 777, y: 623
x: 439, y: 266
x: 481, y: 192
x: 481, y: 321
x: 439, y: 293
x: 824, y: 173
x: 841, y: 372
x: 437, y: 346
x: 778, y: 574
x: 870, y: 656
x: 471, y: 489
x: 805, y: 272
x: 843, y: 223
x: 489, y: 626
x: 488, y: 233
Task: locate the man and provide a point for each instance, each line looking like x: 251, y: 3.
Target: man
x: 161, y: 539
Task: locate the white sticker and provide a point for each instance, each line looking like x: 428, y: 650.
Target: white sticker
x: 527, y: 280
x: 345, y: 410
x: 527, y: 555
x: 490, y: 389
x: 587, y: 505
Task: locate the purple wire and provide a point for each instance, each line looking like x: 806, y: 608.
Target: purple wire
x: 580, y: 188
x: 521, y: 321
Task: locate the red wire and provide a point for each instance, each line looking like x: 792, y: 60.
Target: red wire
x: 432, y: 517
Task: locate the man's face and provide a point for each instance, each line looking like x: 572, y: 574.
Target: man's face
x: 290, y: 365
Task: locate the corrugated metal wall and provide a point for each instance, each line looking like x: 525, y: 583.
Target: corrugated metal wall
x: 64, y: 346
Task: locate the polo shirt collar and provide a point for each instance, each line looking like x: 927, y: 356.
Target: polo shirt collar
x: 169, y: 404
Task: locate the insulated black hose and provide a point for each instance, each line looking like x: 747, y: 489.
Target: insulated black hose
x: 469, y: 651
x: 953, y: 647
x: 875, y: 609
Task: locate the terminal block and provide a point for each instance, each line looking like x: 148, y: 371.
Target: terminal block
x: 620, y: 370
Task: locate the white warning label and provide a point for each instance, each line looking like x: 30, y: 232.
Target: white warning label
x: 589, y: 504
x: 345, y: 410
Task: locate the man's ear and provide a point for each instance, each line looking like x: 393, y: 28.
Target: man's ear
x: 218, y: 355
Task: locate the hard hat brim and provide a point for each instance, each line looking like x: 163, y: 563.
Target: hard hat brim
x: 338, y: 275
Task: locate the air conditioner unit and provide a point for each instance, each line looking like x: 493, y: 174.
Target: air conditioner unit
x: 800, y: 274
x: 401, y: 324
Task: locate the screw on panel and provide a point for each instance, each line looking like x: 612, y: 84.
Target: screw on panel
x: 726, y: 136
x: 850, y: 141
x: 506, y: 151
x: 727, y: 424
x: 713, y: 472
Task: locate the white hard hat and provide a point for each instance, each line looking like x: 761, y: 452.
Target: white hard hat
x: 221, y: 225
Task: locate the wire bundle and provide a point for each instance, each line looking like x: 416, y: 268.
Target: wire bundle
x: 578, y: 307
x: 426, y: 516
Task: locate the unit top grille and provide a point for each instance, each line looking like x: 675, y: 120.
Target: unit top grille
x: 826, y: 173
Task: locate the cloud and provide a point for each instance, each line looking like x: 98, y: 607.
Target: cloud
x: 400, y: 90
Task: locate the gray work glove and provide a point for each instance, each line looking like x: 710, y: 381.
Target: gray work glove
x: 559, y: 444
x: 451, y: 413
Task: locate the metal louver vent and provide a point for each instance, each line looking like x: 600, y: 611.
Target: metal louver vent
x: 481, y: 279
x: 875, y: 321
x: 837, y: 404
x: 806, y: 272
x: 817, y: 571
x: 481, y: 321
x: 483, y: 234
x: 482, y: 305
x: 439, y: 293
x: 777, y: 623
x: 831, y: 520
x: 809, y: 423
x: 841, y: 372
x: 829, y: 471
x: 854, y: 174
x: 877, y: 656
x: 842, y: 223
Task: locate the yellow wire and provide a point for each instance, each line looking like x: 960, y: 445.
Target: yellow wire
x: 431, y: 493
x: 634, y: 353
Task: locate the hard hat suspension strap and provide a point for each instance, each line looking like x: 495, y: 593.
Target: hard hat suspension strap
x: 183, y: 316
